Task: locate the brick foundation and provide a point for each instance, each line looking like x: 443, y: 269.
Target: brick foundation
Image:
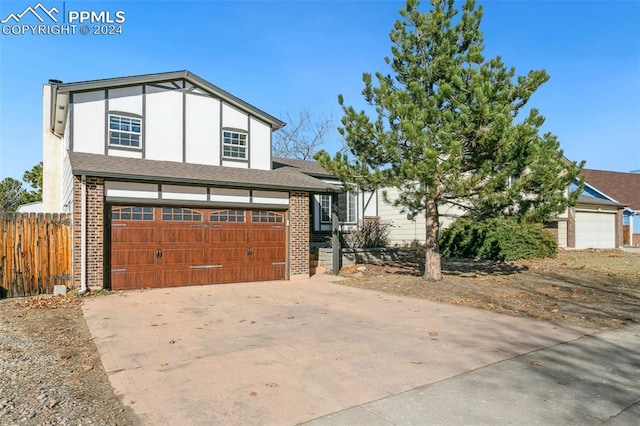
x: 298, y: 235
x: 95, y: 231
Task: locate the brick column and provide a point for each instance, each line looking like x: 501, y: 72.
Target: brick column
x: 571, y: 228
x: 619, y: 234
x: 95, y: 231
x: 298, y: 235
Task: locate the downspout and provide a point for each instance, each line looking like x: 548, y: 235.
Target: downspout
x: 83, y: 236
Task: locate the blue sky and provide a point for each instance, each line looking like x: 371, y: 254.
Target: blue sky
x: 286, y: 56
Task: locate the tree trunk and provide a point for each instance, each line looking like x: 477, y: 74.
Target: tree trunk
x: 432, y: 261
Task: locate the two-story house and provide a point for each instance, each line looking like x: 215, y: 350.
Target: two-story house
x: 170, y: 181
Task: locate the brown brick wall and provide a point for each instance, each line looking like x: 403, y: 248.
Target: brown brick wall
x: 298, y: 234
x: 571, y: 228
x: 95, y: 231
x: 619, y: 229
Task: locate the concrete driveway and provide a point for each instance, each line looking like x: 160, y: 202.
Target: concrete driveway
x: 288, y: 352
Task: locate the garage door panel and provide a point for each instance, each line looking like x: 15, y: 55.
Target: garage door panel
x: 124, y: 280
x: 237, y: 254
x: 132, y: 256
x: 183, y: 255
x: 228, y: 235
x: 269, y: 272
x: 229, y: 274
x: 275, y: 235
x: 184, y: 276
x: 130, y: 234
x: 177, y: 235
x: 272, y: 254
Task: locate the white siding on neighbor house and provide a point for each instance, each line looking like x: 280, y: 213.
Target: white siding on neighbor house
x: 128, y: 99
x: 234, y: 118
x: 562, y: 234
x: 202, y: 130
x: 179, y: 192
x: 223, y: 195
x: 89, y: 122
x: 270, y: 197
x: 130, y: 190
x: 259, y: 145
x: 163, y: 124
x: 402, y: 230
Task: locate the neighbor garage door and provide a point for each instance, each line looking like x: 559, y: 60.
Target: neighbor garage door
x: 595, y: 230
x: 175, y: 246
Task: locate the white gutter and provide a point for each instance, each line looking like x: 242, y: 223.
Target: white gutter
x: 83, y: 236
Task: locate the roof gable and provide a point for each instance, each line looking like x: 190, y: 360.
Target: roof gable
x: 203, y: 84
x: 622, y: 187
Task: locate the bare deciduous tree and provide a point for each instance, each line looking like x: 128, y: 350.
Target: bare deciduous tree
x: 303, y: 135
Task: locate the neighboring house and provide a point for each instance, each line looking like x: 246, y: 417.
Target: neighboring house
x: 353, y: 206
x: 170, y: 182
x: 34, y: 207
x: 623, y: 188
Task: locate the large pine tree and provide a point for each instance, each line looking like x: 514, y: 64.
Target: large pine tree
x: 447, y: 129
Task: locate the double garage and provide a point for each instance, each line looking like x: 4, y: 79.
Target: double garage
x: 156, y: 246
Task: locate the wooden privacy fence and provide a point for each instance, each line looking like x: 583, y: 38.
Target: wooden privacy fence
x: 35, y: 253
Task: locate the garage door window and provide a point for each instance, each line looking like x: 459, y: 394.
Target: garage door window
x: 181, y: 215
x: 266, y: 217
x: 132, y: 213
x: 227, y: 216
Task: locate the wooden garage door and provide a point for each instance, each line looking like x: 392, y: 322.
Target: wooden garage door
x: 175, y: 246
x: 595, y: 230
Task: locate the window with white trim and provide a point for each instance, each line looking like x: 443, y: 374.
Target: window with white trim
x: 325, y: 208
x: 234, y: 145
x: 352, y: 207
x: 125, y: 131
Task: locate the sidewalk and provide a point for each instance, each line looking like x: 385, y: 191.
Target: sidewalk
x: 588, y: 381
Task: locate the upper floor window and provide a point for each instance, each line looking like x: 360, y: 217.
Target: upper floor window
x: 234, y: 145
x: 125, y: 131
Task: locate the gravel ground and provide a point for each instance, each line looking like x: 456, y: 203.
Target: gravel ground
x: 50, y: 371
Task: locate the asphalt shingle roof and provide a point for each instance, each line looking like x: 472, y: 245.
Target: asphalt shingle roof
x: 284, y: 178
x: 311, y: 168
x: 622, y: 187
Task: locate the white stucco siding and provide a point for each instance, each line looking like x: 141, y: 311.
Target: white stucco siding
x: 52, y: 155
x: 128, y: 99
x: 223, y: 195
x: 179, y: 192
x: 270, y: 197
x: 130, y: 190
x: 259, y: 145
x: 114, y: 152
x: 202, y: 130
x: 237, y: 164
x: 163, y: 124
x: 234, y: 118
x: 89, y: 122
x: 368, y: 203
